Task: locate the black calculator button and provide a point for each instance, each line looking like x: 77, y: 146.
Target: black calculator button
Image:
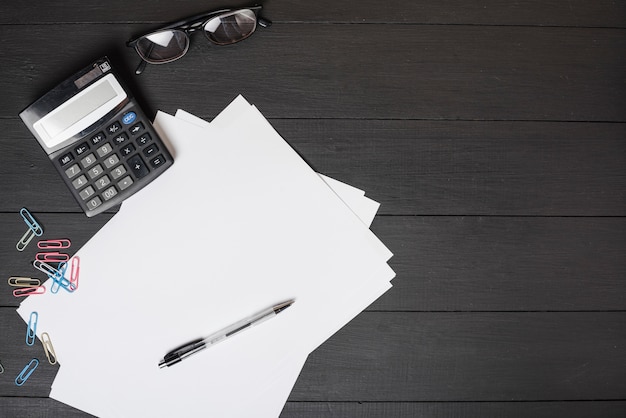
x: 109, y: 193
x: 87, y: 193
x: 102, y: 182
x: 88, y: 160
x: 95, y: 171
x: 136, y: 128
x: 111, y: 161
x: 151, y: 150
x: 157, y: 161
x: 127, y: 150
x: 114, y: 128
x: 66, y: 159
x: 94, y: 203
x: 80, y: 182
x: 82, y: 148
x: 104, y: 150
x: 120, y: 139
x: 72, y: 171
x: 118, y: 172
x: 129, y: 118
x: 137, y: 166
x: 97, y: 138
x: 125, y: 183
x: 144, y: 139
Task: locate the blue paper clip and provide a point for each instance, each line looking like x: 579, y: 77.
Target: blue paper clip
x: 31, y: 222
x: 26, y: 372
x: 59, y: 280
x: 31, y: 331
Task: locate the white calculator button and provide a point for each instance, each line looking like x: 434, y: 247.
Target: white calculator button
x: 80, y: 182
x: 95, y: 172
x: 104, y: 150
x: 118, y: 172
x: 94, y: 203
x: 109, y: 193
x: 87, y: 193
x: 102, y: 182
x: 72, y: 171
x: 88, y: 160
x: 125, y: 183
x: 111, y: 161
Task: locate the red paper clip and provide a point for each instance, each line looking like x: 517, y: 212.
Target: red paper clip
x: 54, y: 244
x: 27, y: 291
x: 74, y: 272
x: 52, y: 257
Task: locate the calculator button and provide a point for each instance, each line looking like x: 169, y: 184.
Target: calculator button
x: 109, y: 193
x: 94, y: 203
x: 80, y: 182
x: 66, y: 159
x: 82, y: 148
x: 87, y: 193
x: 102, y: 182
x: 151, y: 150
x: 137, y: 166
x: 114, y: 128
x: 118, y: 172
x: 97, y: 138
x: 129, y: 118
x: 125, y: 183
x: 111, y: 161
x: 88, y: 160
x: 136, y: 128
x: 95, y: 172
x: 127, y: 150
x: 144, y: 139
x: 157, y: 161
x: 120, y: 139
x: 104, y: 150
x: 72, y: 171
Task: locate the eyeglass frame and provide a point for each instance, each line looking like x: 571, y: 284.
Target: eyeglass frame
x: 192, y: 24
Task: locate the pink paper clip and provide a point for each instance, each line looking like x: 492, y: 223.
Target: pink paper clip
x: 52, y: 257
x: 54, y: 244
x: 27, y: 291
x: 74, y: 271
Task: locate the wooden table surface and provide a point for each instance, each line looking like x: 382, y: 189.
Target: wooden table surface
x: 492, y: 133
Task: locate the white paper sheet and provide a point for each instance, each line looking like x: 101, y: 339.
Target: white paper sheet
x: 244, y: 223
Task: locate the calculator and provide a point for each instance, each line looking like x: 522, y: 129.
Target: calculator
x: 97, y: 137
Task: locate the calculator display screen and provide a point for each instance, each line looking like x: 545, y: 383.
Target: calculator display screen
x: 80, y: 111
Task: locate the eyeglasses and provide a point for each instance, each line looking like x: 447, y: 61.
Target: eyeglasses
x: 221, y: 27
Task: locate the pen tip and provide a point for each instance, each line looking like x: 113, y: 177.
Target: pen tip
x: 282, y: 306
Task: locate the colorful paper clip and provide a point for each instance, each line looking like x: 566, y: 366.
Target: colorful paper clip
x: 24, y: 282
x: 60, y: 281
x: 74, y: 272
x: 52, y: 257
x: 31, y: 222
x: 48, y: 269
x: 31, y: 331
x: 27, y: 291
x: 55, y: 244
x: 48, y: 348
x: 26, y: 238
x: 26, y: 372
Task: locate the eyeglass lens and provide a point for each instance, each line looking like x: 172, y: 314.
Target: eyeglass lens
x: 170, y: 44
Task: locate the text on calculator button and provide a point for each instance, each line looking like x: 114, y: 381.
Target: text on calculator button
x: 127, y: 150
x: 144, y: 139
x: 97, y: 138
x: 114, y: 128
x: 80, y: 182
x: 157, y: 161
x: 72, y: 171
x: 66, y: 159
x: 109, y: 193
x: 136, y: 128
x: 102, y: 182
x: 88, y: 160
x: 118, y: 172
x: 137, y: 166
x: 94, y: 203
x: 104, y: 150
x: 87, y: 193
x: 81, y: 148
x: 121, y: 138
x: 125, y: 183
x: 129, y: 118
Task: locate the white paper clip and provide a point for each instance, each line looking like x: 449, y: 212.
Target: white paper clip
x: 31, y: 331
x: 26, y: 238
x: 26, y: 372
x: 48, y: 348
x: 55, y: 244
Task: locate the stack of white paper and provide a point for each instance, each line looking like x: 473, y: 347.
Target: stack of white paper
x: 239, y: 222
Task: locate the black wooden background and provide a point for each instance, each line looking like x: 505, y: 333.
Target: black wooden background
x: 493, y: 135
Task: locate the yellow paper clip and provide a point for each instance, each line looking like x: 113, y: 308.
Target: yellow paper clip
x: 26, y: 372
x: 24, y: 282
x: 31, y: 331
x: 48, y: 348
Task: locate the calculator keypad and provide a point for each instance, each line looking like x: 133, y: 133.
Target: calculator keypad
x: 112, y: 160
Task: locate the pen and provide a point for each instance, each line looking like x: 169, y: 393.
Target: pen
x: 194, y: 346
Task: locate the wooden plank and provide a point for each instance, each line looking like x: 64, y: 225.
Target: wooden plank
x: 451, y: 357
x: 442, y: 263
x: 37, y: 408
x: 410, y: 167
x: 572, y: 409
x: 602, y: 13
x: 372, y: 71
